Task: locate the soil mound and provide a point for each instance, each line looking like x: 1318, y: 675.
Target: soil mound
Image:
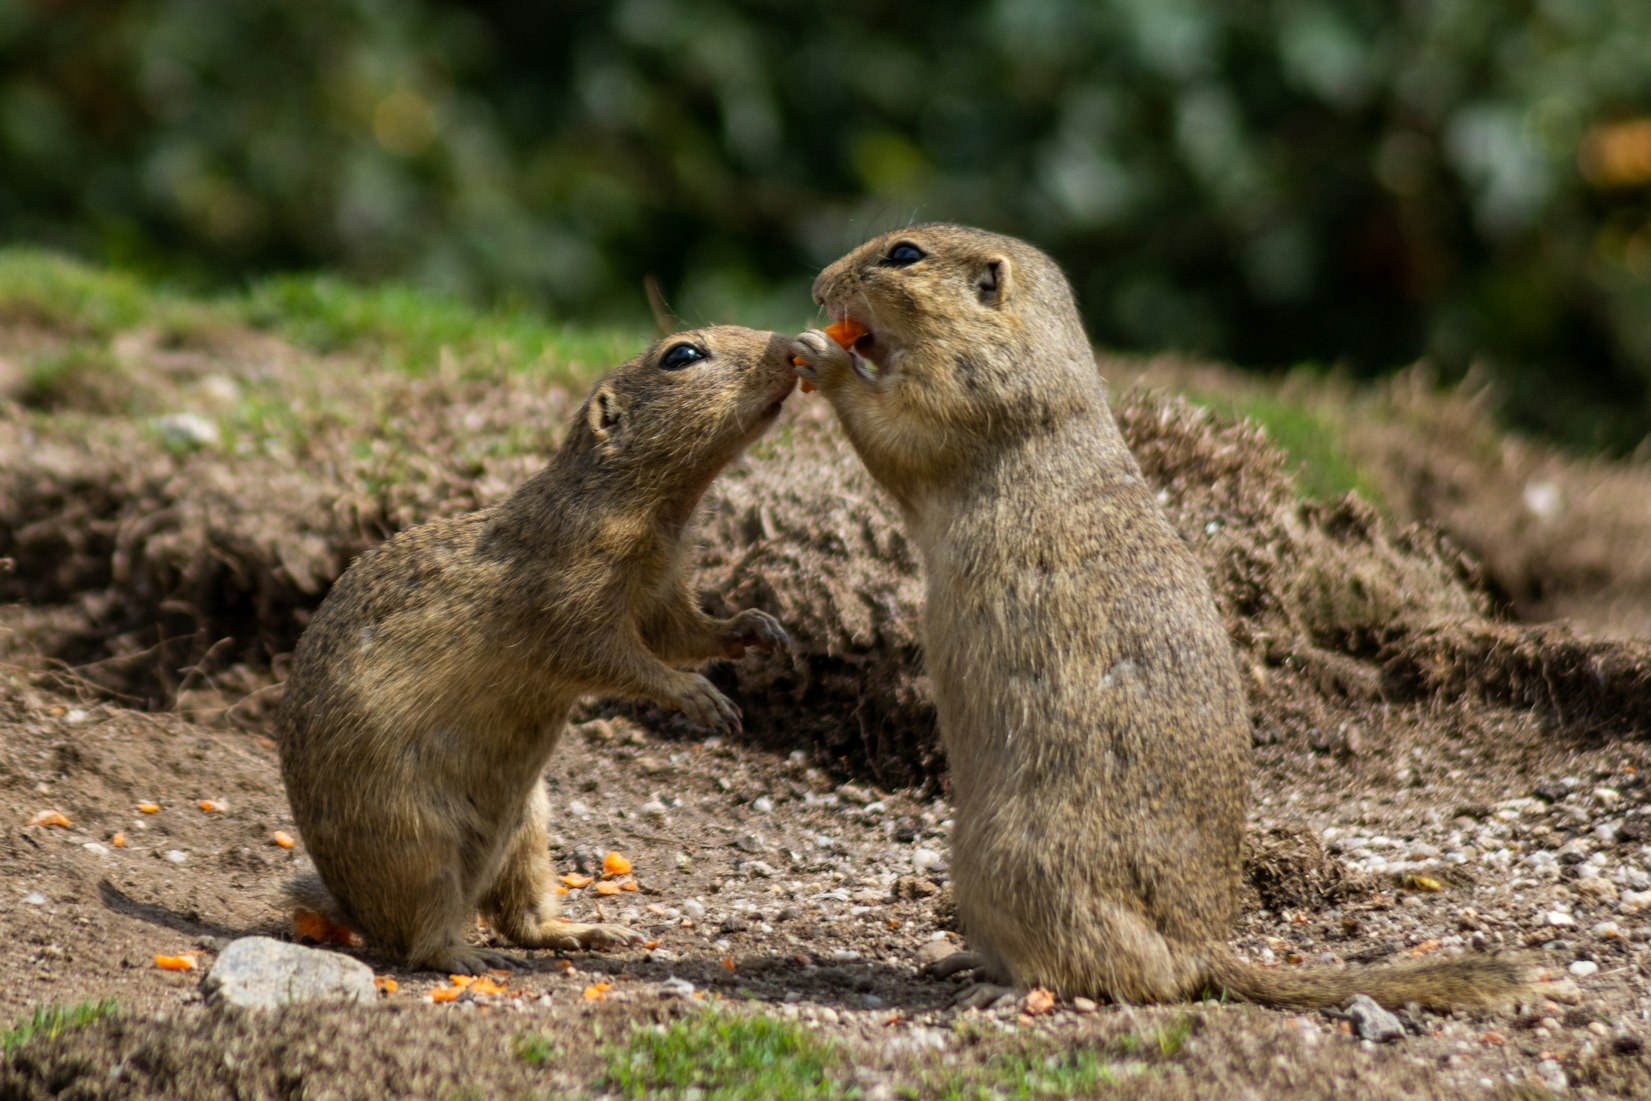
x: 181, y: 576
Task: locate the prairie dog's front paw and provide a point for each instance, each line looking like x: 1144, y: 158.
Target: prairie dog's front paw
x: 816, y: 355
x: 754, y: 628
x: 701, y: 704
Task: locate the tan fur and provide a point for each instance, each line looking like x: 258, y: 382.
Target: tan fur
x: 1089, y: 700
x: 429, y: 691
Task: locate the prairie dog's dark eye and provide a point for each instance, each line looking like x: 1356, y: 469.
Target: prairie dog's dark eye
x: 903, y: 255
x: 680, y: 355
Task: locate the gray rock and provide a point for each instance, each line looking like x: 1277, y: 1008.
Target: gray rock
x: 263, y: 973
x: 1371, y: 1022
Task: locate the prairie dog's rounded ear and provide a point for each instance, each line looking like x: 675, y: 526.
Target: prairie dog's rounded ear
x: 993, y: 281
x: 606, y: 413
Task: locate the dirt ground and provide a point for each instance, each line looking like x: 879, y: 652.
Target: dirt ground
x: 1441, y: 765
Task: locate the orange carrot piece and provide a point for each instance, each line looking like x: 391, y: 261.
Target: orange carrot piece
x: 615, y: 864
x: 175, y: 963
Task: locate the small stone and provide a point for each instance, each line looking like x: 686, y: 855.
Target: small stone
x: 1559, y: 919
x: 1553, y: 1076
x: 1371, y: 1022
x: 264, y: 973
x: 762, y: 804
x: 1584, y: 968
x: 674, y: 987
x: 694, y: 908
x: 34, y: 898
x: 175, y: 856
x: 935, y: 951
x: 1596, y: 888
x: 1633, y: 902
x: 1084, y: 1005
x: 578, y: 808
x: 186, y: 430
x: 924, y: 859
x: 96, y: 848
x: 757, y: 869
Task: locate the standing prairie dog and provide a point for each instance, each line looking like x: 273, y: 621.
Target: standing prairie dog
x: 1088, y: 697
x: 427, y: 694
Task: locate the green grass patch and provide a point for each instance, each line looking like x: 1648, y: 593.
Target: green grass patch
x: 538, y: 1050
x: 54, y: 1020
x: 725, y: 1057
x: 416, y: 330
x: 1324, y: 469
x: 1040, y: 1069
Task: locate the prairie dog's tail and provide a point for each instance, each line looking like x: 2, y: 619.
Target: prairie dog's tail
x: 1437, y: 984
x: 316, y: 914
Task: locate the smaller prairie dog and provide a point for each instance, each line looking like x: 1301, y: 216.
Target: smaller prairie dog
x: 1089, y: 702
x: 435, y: 680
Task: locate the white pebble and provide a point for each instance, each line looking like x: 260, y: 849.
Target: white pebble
x: 924, y: 859
x: 578, y: 809
x: 34, y: 898
x: 1584, y: 968
x: 96, y: 848
x: 1559, y: 919
x: 762, y: 804
x: 175, y: 856
x: 694, y: 908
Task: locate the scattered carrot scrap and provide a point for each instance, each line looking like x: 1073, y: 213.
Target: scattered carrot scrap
x: 892, y: 923
x: 845, y: 333
x: 182, y: 962
x: 1495, y: 1039
x: 1424, y: 948
x: 575, y: 880
x: 728, y: 962
x: 283, y: 839
x: 893, y: 1019
x: 50, y: 818
x: 209, y: 806
x: 267, y: 743
x: 1038, y: 1001
x: 650, y: 945
x: 630, y: 885
x: 561, y: 890
x: 598, y: 991
x: 149, y: 808
x: 606, y: 888
x: 615, y: 864
x: 307, y: 925
x: 384, y: 984
x: 445, y: 994
x: 118, y: 840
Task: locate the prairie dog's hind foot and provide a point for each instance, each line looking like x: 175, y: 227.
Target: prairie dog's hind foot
x: 575, y: 936
x: 467, y: 959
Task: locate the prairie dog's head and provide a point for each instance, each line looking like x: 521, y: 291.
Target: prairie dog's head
x: 971, y: 337
x: 689, y: 404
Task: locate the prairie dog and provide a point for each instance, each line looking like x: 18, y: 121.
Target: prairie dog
x: 430, y: 689
x: 1088, y: 696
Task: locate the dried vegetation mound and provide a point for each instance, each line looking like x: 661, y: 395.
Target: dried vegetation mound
x: 174, y: 566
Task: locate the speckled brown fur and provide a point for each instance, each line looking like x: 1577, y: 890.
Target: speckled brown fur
x: 1089, y: 702
x: 428, y: 693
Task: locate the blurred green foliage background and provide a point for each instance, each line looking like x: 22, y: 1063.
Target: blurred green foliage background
x: 1355, y: 182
